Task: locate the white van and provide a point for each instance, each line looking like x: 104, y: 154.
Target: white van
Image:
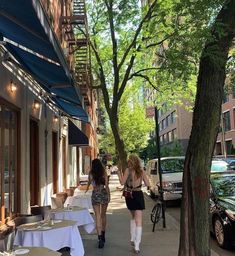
x: 172, y: 174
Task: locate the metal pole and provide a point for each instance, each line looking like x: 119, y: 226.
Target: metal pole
x: 159, y: 166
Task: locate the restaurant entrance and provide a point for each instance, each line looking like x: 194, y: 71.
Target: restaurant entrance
x: 34, y: 163
x: 9, y: 156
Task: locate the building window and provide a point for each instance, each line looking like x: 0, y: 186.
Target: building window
x: 174, y: 135
x: 233, y: 90
x: 173, y: 117
x: 8, y: 152
x: 164, y: 138
x: 167, y: 137
x: 159, y: 112
x: 168, y: 120
x: 170, y: 136
x: 229, y: 146
x: 234, y: 118
x: 226, y: 119
x: 225, y: 96
x: 163, y: 123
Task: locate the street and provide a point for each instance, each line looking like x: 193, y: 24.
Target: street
x: 174, y: 211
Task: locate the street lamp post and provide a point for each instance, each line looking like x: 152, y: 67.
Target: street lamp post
x: 159, y: 165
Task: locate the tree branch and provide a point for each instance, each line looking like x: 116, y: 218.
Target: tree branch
x: 101, y: 76
x: 138, y: 30
x: 109, y: 6
x: 142, y: 70
x: 147, y: 79
x: 126, y: 76
x: 160, y: 42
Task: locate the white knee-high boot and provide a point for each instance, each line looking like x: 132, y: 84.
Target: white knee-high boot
x: 132, y: 230
x: 138, y: 234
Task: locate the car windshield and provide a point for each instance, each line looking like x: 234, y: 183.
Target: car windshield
x: 219, y: 166
x: 172, y: 165
x: 223, y: 186
x: 222, y: 164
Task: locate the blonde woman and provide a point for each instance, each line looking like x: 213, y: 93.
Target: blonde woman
x: 133, y: 178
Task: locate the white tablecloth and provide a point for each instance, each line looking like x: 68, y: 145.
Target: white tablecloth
x: 80, y: 199
x: 63, y: 234
x: 81, y: 215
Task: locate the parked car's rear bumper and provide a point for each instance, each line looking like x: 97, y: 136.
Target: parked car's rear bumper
x: 170, y: 195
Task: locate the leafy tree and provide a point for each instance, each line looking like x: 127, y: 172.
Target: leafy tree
x: 116, y: 42
x: 134, y: 126
x: 174, y: 149
x: 159, y: 43
x: 162, y: 44
x: 194, y: 238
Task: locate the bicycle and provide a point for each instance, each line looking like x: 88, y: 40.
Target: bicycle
x: 156, y: 213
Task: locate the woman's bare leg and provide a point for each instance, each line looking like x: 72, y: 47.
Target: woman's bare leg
x: 97, y: 210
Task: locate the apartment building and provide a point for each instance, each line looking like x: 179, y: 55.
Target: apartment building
x: 47, y: 106
x: 225, y: 142
x: 174, y: 124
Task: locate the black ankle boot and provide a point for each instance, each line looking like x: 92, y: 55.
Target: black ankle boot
x: 103, y: 235
x: 100, y: 241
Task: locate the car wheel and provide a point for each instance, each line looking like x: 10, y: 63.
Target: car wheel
x: 221, y: 235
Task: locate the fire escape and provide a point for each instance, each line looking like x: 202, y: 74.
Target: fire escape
x: 75, y: 28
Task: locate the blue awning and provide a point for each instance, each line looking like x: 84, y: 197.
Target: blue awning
x: 75, y: 136
x: 50, y: 76
x: 25, y: 23
x: 73, y: 110
x: 19, y: 23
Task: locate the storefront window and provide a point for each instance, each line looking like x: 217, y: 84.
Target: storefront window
x: 8, y: 160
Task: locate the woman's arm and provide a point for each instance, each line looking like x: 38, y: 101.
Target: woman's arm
x: 88, y: 183
x: 145, y: 179
x: 123, y: 177
x: 107, y: 185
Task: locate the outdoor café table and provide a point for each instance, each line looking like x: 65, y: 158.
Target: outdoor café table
x: 80, y: 199
x: 36, y: 251
x: 64, y: 233
x: 81, y: 215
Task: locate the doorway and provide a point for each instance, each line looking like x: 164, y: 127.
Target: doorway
x: 9, y: 160
x: 55, y: 161
x: 34, y: 162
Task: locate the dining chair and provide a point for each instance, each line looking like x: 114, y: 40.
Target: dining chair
x: 7, y: 234
x: 56, y: 202
x: 69, y: 191
x: 27, y: 219
x: 40, y: 210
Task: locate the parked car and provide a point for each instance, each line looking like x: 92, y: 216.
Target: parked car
x: 172, y: 174
x: 222, y: 208
x: 222, y: 164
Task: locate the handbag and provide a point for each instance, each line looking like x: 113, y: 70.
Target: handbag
x: 127, y: 192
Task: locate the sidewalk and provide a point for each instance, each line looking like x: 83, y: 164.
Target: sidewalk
x: 162, y: 242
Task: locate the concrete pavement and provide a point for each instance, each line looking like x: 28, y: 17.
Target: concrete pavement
x: 162, y: 242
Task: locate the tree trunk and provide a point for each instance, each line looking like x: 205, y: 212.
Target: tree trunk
x: 194, y: 231
x: 120, y: 147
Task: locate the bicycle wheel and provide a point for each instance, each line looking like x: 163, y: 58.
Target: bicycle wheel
x: 156, y: 213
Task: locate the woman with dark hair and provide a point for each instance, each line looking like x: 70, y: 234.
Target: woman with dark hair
x: 100, y: 197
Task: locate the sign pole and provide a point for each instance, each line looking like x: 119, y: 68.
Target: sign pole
x: 159, y: 166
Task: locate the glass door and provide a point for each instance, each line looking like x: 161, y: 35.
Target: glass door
x: 8, y: 161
